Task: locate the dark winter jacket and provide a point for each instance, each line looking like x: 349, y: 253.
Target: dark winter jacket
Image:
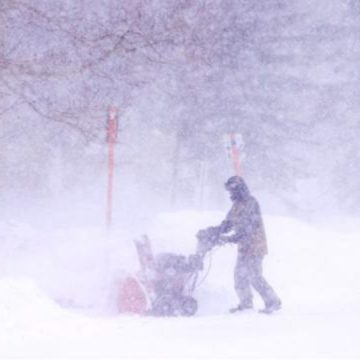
x: 245, y: 225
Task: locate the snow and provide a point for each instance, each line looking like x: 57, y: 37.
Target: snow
x: 58, y: 294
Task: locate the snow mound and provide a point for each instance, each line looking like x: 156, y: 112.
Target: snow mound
x: 25, y: 310
x: 24, y: 304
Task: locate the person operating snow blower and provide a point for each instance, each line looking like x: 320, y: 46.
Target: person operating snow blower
x: 243, y: 226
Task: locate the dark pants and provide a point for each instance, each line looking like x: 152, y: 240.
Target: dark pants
x: 248, y: 272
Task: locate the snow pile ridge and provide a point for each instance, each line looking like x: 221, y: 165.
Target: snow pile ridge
x: 23, y: 301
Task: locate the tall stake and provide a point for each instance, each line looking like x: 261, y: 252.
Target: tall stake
x: 175, y: 171
x: 235, y: 154
x: 112, y: 126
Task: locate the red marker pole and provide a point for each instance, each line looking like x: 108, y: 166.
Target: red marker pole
x: 235, y: 154
x: 112, y: 127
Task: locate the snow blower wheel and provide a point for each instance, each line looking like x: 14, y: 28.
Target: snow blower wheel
x: 188, y: 306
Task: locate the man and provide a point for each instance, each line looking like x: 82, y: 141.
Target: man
x: 244, y: 226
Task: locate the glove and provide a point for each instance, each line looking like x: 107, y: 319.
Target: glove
x: 202, y: 234
x: 208, y: 233
x: 225, y: 226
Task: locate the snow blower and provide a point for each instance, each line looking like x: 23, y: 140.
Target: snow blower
x: 166, y: 282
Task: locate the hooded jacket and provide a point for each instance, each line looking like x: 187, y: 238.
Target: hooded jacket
x: 244, y: 220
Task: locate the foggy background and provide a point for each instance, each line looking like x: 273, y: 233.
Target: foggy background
x: 183, y: 73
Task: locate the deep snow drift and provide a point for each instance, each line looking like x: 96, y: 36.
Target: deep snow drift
x: 58, y: 294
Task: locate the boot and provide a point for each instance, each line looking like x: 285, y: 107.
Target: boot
x: 241, y: 307
x: 271, y: 307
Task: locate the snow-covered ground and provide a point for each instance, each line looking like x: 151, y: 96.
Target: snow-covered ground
x: 58, y: 294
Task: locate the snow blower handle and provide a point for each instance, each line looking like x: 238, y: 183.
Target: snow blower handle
x: 207, y: 239
x: 196, y: 262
